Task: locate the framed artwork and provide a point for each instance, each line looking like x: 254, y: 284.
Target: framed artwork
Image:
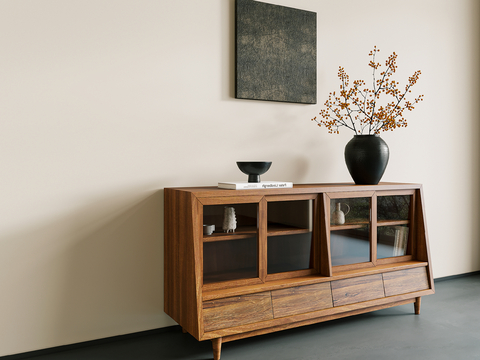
x: 275, y: 53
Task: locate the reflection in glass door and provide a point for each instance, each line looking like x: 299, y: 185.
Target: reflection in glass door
x: 393, y: 230
x: 350, y: 230
x: 290, y: 236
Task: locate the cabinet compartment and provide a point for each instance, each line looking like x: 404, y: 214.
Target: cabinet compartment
x: 394, y: 213
x: 350, y: 238
x: 230, y: 255
x: 393, y: 207
x: 236, y: 311
x: 405, y: 281
x: 357, y: 289
x: 301, y: 299
x: 290, y: 243
x: 289, y: 253
x: 392, y: 241
x: 350, y: 246
x: 230, y: 260
x: 246, y: 219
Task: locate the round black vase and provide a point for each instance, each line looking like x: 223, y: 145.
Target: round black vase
x: 366, y: 157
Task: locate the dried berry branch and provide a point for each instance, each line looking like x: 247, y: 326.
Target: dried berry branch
x: 358, y: 109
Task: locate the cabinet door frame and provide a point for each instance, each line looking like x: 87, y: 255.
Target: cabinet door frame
x: 315, y: 249
x: 412, y: 241
x: 232, y: 200
x: 373, y: 195
x: 372, y: 231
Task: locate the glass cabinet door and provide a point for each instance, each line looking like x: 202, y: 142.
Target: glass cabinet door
x: 230, y: 251
x: 393, y: 225
x: 290, y: 242
x: 350, y: 230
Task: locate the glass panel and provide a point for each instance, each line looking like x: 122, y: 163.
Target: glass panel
x: 289, y: 253
x: 245, y: 218
x: 350, y: 246
x: 289, y: 241
x: 229, y: 260
x: 230, y: 251
x: 392, y: 241
x: 354, y: 210
x: 393, y: 207
x: 350, y: 232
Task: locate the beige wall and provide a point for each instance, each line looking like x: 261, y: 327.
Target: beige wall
x: 103, y: 103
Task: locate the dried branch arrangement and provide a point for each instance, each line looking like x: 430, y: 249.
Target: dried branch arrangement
x: 358, y: 108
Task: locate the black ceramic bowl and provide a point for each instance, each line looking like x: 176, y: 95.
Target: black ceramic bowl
x: 254, y: 169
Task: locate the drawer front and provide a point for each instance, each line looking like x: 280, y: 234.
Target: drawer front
x: 301, y: 299
x: 405, y: 281
x: 236, y: 311
x: 358, y: 289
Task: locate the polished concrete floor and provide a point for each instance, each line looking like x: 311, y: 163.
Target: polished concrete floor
x: 448, y: 328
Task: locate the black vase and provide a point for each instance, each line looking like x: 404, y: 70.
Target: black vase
x: 366, y: 157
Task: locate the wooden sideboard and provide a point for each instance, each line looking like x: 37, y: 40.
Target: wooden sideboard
x: 291, y: 261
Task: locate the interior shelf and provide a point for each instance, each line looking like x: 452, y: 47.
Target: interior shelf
x: 243, y: 232
x: 349, y: 226
x: 392, y: 222
x: 281, y: 229
x: 251, y: 231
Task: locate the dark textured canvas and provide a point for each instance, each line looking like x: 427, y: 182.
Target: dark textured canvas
x: 276, y: 53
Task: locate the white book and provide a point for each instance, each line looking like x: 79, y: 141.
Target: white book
x: 243, y: 185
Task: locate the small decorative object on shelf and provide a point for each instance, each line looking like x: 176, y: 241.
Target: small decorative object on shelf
x: 208, y: 229
x: 359, y: 109
x: 229, y: 219
x: 254, y: 169
x: 338, y: 217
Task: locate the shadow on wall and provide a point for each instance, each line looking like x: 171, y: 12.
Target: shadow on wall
x: 96, y: 272
x: 114, y: 272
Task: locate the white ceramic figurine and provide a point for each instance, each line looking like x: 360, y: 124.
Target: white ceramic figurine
x: 229, y: 219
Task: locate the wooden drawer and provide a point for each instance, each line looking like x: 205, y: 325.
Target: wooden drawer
x: 235, y: 311
x: 357, y: 289
x: 301, y: 299
x: 405, y: 281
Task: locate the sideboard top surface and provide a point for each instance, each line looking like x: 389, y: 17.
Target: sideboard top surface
x: 209, y: 191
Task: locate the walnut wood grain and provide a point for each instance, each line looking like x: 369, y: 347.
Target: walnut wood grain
x: 239, y: 289
x: 422, y: 248
x: 357, y: 289
x: 238, y: 310
x: 214, y: 191
x: 181, y: 286
x: 417, y: 304
x: 405, y: 281
x: 373, y: 230
x: 320, y: 315
x: 324, y: 221
x: 227, y: 310
x: 313, y: 320
x: 262, y: 239
x: 301, y: 299
x: 217, y: 348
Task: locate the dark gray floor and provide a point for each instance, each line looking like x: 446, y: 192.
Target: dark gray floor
x: 448, y: 328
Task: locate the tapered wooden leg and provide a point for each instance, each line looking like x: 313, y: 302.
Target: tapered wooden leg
x: 217, y: 348
x: 418, y: 300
